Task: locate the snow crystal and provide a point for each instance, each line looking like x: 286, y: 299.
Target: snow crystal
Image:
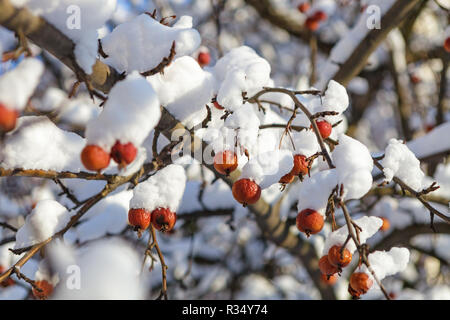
x: 387, y: 263
x: 400, y: 162
x: 142, y: 43
x: 37, y: 143
x: 267, y: 168
x: 162, y: 190
x: 369, y: 226
x: 17, y: 85
x: 46, y: 219
x: 130, y: 113
x: 315, y: 190
x: 240, y: 70
x: 184, y: 89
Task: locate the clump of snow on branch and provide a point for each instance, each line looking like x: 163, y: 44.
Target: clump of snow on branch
x: 17, y: 85
x: 400, y: 162
x: 387, y: 263
x: 37, y: 143
x: 78, y: 20
x: 240, y: 70
x: 130, y: 113
x: 100, y: 262
x: 369, y: 226
x: 162, y: 190
x: 142, y: 43
x: 305, y: 142
x: 184, y: 89
x: 267, y: 168
x: 245, y: 123
x: 46, y: 219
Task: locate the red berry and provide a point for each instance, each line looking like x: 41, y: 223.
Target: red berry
x: 414, y: 79
x: 287, y: 178
x: 203, y: 58
x: 386, y: 224
x: 325, y: 128
x: 8, y: 118
x: 320, y: 15
x: 447, y: 44
x: 163, y: 219
x: 218, y: 106
x: 326, y: 267
x: 139, y: 219
x: 225, y: 162
x: 329, y: 280
x: 246, y: 191
x: 8, y: 281
x: 123, y: 154
x: 312, y: 23
x: 339, y: 258
x: 360, y: 283
x: 309, y: 221
x: 45, y: 286
x: 303, y: 7
x: 95, y: 158
x: 300, y: 165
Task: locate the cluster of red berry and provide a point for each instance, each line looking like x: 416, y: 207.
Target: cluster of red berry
x: 163, y: 219
x: 313, y: 21
x: 96, y: 159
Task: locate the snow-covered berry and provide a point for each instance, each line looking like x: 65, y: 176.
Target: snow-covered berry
x: 123, y: 154
x: 246, y: 191
x: 139, y: 219
x: 95, y: 158
x: 163, y: 219
x: 225, y: 162
x: 309, y: 221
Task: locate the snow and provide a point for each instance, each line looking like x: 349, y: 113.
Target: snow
x: 315, y: 190
x: 246, y: 124
x: 354, y: 165
x: 37, y: 143
x: 46, y: 219
x: 336, y: 98
x: 400, y: 162
x: 71, y: 17
x: 432, y: 142
x: 98, y: 263
x: 369, y: 226
x: 142, y: 43
x: 267, y: 168
x: 184, y: 89
x: 130, y: 113
x: 387, y: 263
x: 162, y: 190
x: 18, y: 85
x: 240, y: 70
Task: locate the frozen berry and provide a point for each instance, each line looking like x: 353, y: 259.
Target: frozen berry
x: 225, y: 162
x: 46, y: 289
x: 303, y: 7
x: 329, y: 280
x: 163, y: 219
x: 447, y: 44
x: 386, y: 224
x: 326, y: 267
x: 203, y: 58
x: 123, y: 154
x: 246, y: 191
x: 360, y: 283
x: 218, y: 106
x: 8, y: 281
x: 95, y: 158
x: 139, y: 219
x: 338, y: 257
x: 325, y: 128
x: 287, y: 178
x: 320, y: 15
x: 8, y: 118
x: 300, y: 165
x: 312, y: 23
x: 309, y: 221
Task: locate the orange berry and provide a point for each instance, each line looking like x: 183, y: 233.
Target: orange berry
x: 447, y: 44
x: 8, y: 118
x: 225, y: 162
x: 8, y: 281
x: 325, y: 128
x: 123, y: 154
x: 45, y: 286
x: 287, y: 178
x: 320, y: 15
x: 303, y: 7
x: 139, y: 219
x: 337, y: 258
x: 309, y: 221
x: 386, y: 224
x: 300, y: 165
x: 312, y: 23
x: 329, y: 280
x: 163, y: 219
x: 360, y: 283
x: 326, y: 267
x: 95, y: 158
x: 246, y: 191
